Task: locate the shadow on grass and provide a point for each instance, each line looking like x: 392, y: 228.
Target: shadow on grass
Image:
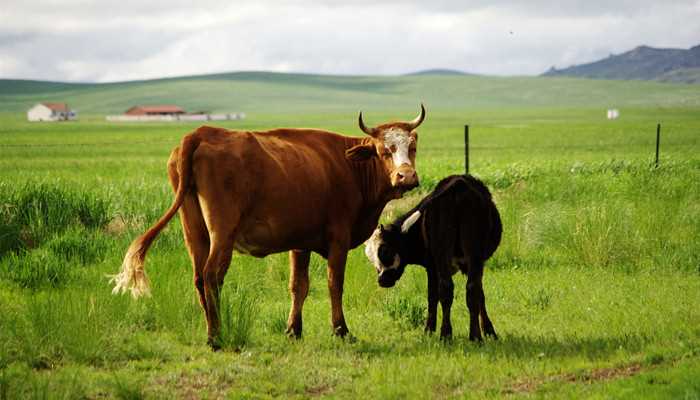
x: 508, y: 346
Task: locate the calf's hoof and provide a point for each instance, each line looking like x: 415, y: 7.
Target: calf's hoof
x: 476, y: 338
x: 446, y: 332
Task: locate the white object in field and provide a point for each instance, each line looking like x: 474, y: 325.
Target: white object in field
x: 613, y: 113
x: 51, y: 112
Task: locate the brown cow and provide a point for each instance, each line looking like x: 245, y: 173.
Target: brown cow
x: 260, y: 193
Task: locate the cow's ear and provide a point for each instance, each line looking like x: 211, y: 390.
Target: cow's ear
x: 361, y: 152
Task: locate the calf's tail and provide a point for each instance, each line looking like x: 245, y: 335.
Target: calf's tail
x: 132, y: 276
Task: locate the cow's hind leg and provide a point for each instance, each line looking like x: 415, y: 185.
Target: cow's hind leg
x: 214, y: 273
x: 197, y: 240
x: 222, y: 224
x: 194, y: 229
x: 298, y: 289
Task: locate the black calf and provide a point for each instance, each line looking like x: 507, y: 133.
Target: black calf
x: 456, y: 227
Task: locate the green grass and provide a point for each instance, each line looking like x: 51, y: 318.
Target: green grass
x: 595, y: 290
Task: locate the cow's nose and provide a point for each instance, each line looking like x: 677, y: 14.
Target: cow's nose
x: 404, y: 176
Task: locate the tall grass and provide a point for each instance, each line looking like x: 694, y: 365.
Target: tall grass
x: 618, y: 215
x: 239, y: 312
x: 34, y: 212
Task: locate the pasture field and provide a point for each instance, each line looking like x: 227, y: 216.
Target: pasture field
x: 594, y: 291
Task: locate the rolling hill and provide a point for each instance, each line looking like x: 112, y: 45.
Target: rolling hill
x: 644, y: 63
x: 275, y: 93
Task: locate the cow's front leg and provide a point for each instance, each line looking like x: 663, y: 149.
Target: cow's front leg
x: 433, y: 292
x: 446, y: 297
x: 337, y: 257
x: 298, y: 289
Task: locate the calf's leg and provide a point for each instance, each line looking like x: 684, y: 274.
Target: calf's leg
x: 433, y: 292
x: 298, y: 289
x: 475, y: 299
x: 446, y: 297
x: 485, y: 321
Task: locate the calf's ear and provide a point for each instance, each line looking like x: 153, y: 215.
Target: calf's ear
x: 361, y: 152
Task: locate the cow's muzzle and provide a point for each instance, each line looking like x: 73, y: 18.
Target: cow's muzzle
x: 405, y: 178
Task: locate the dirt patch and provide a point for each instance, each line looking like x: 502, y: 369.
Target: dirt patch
x: 317, y: 391
x: 116, y: 226
x: 593, y: 376
x: 194, y: 385
x: 605, y: 374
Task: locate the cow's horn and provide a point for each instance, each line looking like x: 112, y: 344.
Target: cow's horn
x: 419, y: 119
x: 365, y: 129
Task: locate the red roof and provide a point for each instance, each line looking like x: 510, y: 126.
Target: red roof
x: 58, y: 107
x: 157, y: 109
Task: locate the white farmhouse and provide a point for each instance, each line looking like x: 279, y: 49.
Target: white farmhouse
x: 51, y: 112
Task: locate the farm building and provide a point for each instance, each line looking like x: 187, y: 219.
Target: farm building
x: 155, y: 110
x: 51, y: 112
x: 169, y: 113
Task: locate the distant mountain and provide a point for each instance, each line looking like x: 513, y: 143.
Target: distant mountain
x: 438, y: 71
x: 644, y: 62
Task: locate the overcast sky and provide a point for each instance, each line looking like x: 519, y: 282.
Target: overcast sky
x: 99, y: 41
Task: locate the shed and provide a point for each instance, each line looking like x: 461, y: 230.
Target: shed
x: 155, y: 110
x: 51, y: 112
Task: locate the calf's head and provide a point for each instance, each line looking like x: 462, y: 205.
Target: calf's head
x: 395, y: 145
x: 384, y: 250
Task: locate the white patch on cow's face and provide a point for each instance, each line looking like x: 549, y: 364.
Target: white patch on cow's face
x: 397, y: 141
x: 372, y: 252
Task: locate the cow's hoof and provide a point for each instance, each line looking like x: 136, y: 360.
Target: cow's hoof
x: 341, y: 331
x: 293, y: 333
x: 492, y: 335
x: 214, y: 344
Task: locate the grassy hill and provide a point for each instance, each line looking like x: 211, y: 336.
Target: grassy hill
x: 276, y: 93
x: 643, y: 62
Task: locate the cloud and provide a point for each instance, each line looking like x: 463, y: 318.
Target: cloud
x: 111, y: 40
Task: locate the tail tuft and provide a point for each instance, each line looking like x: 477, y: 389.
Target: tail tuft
x: 132, y: 276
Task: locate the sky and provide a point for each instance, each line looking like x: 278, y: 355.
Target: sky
x: 104, y: 41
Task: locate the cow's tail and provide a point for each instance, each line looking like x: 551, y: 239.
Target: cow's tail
x: 132, y: 276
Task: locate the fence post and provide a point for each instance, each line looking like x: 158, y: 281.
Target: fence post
x: 466, y: 149
x: 658, y: 139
